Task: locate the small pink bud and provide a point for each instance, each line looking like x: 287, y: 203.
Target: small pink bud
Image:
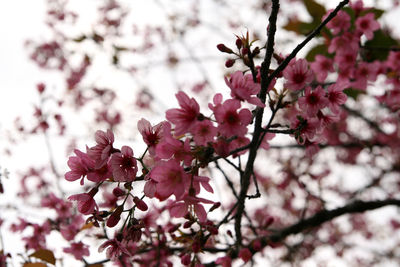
x: 224, y: 49
x: 196, y: 246
x: 245, y: 254
x: 187, y: 224
x: 118, y: 192
x: 215, y: 206
x: 245, y: 50
x: 229, y: 63
x: 174, y: 228
x: 115, y: 217
x: 140, y: 204
x: 40, y: 87
x: 257, y: 245
x: 185, y: 260
x: 239, y: 43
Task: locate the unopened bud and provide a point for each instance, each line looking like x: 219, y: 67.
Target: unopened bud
x: 229, y: 63
x: 224, y: 49
x: 239, y: 43
x: 115, y: 217
x: 118, y: 192
x: 140, y: 204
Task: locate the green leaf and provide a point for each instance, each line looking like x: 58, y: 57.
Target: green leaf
x: 320, y: 49
x: 353, y: 93
x: 45, y: 255
x: 378, y: 47
x: 315, y: 10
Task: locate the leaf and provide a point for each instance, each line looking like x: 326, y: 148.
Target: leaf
x: 320, y: 49
x: 34, y: 264
x: 378, y: 47
x: 87, y: 226
x: 45, y: 255
x: 353, y: 93
x: 315, y: 10
x: 299, y: 27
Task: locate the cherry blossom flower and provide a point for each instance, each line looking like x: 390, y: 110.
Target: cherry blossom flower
x: 171, y: 179
x: 124, y: 166
x: 151, y: 134
x: 341, y: 22
x: 343, y: 43
x: 297, y: 75
x: 243, y: 87
x: 321, y: 66
x: 169, y: 146
x: 346, y: 59
x: 185, y: 117
x: 114, y: 248
x: 102, y: 151
x: 336, y: 97
x: 179, y: 209
x: 365, y: 72
x: 225, y: 261
x: 79, y: 166
x: 313, y: 100
x: 78, y: 250
x: 230, y: 121
x: 367, y: 25
x: 204, y: 132
x: 245, y: 254
x: 86, y: 202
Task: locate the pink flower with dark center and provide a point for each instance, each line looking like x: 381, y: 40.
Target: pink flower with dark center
x: 123, y: 165
x: 185, y: 117
x: 86, y: 202
x: 313, y: 101
x: 151, y: 134
x: 115, y: 248
x: 204, y: 132
x: 171, y: 179
x: 100, y: 174
x: 231, y: 122
x: 321, y: 66
x: 243, y: 88
x: 102, y: 151
x: 179, y: 209
x: 308, y: 128
x: 341, y: 22
x: 365, y: 72
x: 367, y: 25
x: 346, y: 60
x: 169, y: 146
x: 344, y: 43
x: 79, y: 166
x: 336, y: 97
x: 297, y: 75
x: 78, y: 250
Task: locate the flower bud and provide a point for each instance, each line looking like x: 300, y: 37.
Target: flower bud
x: 115, y: 217
x: 239, y: 43
x: 229, y: 63
x: 224, y: 49
x: 118, y: 192
x: 140, y: 204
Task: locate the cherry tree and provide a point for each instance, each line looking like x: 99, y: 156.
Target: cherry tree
x: 286, y: 153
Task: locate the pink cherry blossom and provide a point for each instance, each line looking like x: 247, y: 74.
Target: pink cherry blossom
x: 313, y: 100
x: 297, y: 75
x: 344, y: 43
x: 78, y: 250
x: 367, y: 25
x: 151, y: 134
x: 169, y: 146
x: 102, y: 151
x: 341, y: 22
x: 346, y: 59
x: 171, y: 179
x: 185, y: 117
x: 245, y: 254
x: 204, y: 132
x: 244, y: 88
x: 365, y: 72
x: 114, y: 248
x: 321, y: 66
x: 79, y: 166
x: 124, y: 166
x: 336, y: 97
x: 86, y: 202
x: 179, y: 209
x: 231, y: 122
x: 225, y: 261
